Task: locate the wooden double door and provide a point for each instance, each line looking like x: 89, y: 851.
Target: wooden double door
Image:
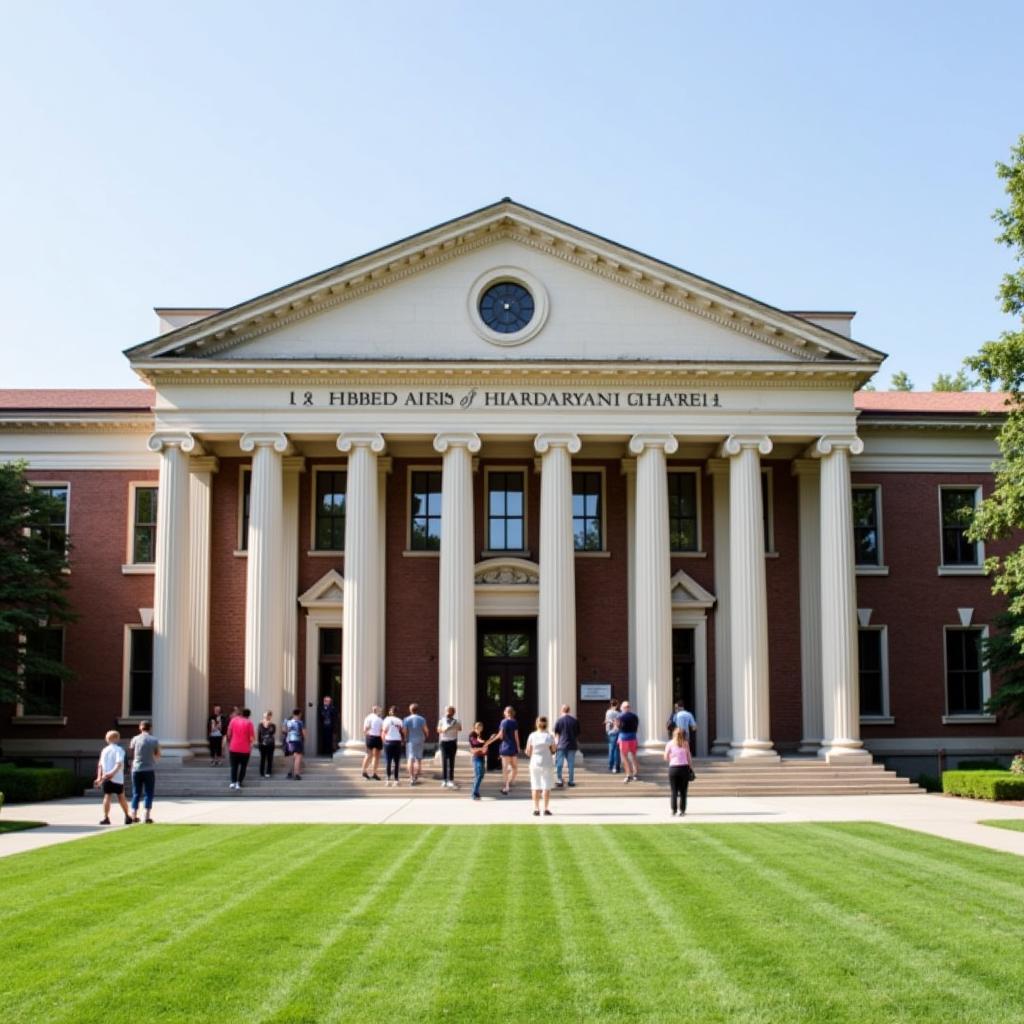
x: 506, y: 675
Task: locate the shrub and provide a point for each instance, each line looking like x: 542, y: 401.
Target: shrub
x: 980, y: 766
x: 1001, y: 785
x: 28, y: 785
x: 1017, y: 765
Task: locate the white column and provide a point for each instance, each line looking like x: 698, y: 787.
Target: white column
x: 456, y: 652
x: 293, y: 466
x: 264, y: 632
x: 361, y: 679
x: 718, y: 470
x: 840, y: 684
x: 171, y: 626
x: 653, y: 581
x: 200, y: 490
x: 383, y: 472
x: 556, y: 621
x: 808, y: 477
x: 628, y: 468
x: 748, y: 599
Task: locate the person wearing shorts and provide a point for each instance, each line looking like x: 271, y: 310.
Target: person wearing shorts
x: 540, y: 749
x: 373, y: 726
x: 508, y: 749
x: 629, y: 724
x: 416, y: 732
x: 145, y: 754
x: 295, y: 742
x: 110, y: 777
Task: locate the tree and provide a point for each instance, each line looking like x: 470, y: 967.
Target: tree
x: 959, y: 381
x: 901, y: 381
x: 33, y: 583
x: 1000, y: 365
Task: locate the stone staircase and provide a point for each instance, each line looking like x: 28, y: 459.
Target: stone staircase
x: 715, y: 777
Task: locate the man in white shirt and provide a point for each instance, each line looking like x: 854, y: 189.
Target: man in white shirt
x: 110, y: 777
x: 448, y: 729
x: 373, y: 727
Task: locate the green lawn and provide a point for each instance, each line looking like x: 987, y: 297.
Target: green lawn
x: 19, y: 826
x: 1014, y: 825
x: 303, y: 924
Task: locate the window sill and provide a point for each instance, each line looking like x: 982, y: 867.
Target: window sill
x: 240, y: 553
x: 688, y: 554
x: 132, y: 719
x: 771, y: 554
x: 139, y: 569
x: 962, y: 570
x: 593, y: 554
x: 505, y: 553
x: 877, y: 720
x: 39, y: 720
x: 324, y: 554
x: 420, y: 554
x: 968, y: 719
x: 872, y: 570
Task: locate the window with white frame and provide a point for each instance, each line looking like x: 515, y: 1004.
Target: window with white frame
x: 767, y: 495
x: 425, y: 510
x: 867, y: 526
x: 329, y: 486
x: 956, y: 507
x: 43, y: 693
x: 683, y: 510
x: 139, y: 653
x: 144, y: 505
x: 588, y: 510
x: 873, y: 662
x: 506, y: 510
x: 966, y: 679
x: 55, y: 530
x: 244, y: 494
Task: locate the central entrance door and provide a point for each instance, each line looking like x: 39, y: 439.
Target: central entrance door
x: 506, y: 675
x: 328, y: 685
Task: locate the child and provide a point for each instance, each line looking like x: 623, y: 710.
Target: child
x: 110, y: 777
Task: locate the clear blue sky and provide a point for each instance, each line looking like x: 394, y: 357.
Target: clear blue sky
x: 814, y: 155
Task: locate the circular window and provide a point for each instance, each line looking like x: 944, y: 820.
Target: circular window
x: 506, y: 307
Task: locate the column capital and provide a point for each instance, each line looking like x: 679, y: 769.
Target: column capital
x: 204, y: 464
x: 254, y: 439
x: 735, y: 443
x: 828, y: 443
x: 456, y: 439
x: 668, y: 443
x: 368, y: 439
x: 174, y: 439
x: 805, y: 467
x: 543, y: 443
x: 293, y: 464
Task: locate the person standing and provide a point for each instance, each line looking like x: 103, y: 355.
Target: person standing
x: 372, y: 726
x: 478, y: 748
x: 611, y: 728
x: 328, y: 725
x: 567, y: 729
x: 508, y: 749
x: 629, y: 724
x: 266, y: 737
x: 416, y: 732
x: 241, y: 739
x: 295, y: 742
x: 215, y: 729
x: 393, y: 733
x: 540, y: 749
x: 677, y: 754
x: 682, y: 719
x: 110, y: 777
x: 145, y: 750
x: 448, y: 729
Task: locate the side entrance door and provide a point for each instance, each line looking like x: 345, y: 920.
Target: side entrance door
x: 328, y: 685
x: 506, y: 675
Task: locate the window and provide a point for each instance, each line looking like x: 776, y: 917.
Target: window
x: 766, y: 510
x: 329, y: 511
x: 866, y: 532
x: 873, y: 662
x: 245, y: 493
x: 55, y: 531
x: 682, y: 511
x: 965, y: 679
x: 140, y: 672
x: 144, y: 526
x: 957, y: 509
x: 44, y: 688
x: 506, y: 511
x: 587, y: 512
x: 425, y: 531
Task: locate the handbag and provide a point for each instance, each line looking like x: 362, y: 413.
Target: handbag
x: 692, y: 774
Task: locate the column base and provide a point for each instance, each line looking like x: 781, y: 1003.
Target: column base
x: 175, y: 750
x: 720, y: 748
x: 649, y: 750
x: 349, y: 749
x: 809, y: 747
x: 753, y: 750
x: 843, y: 752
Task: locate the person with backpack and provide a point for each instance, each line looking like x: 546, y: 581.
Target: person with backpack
x: 295, y: 742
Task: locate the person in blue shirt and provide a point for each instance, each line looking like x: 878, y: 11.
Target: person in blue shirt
x: 416, y: 733
x: 629, y: 725
x: 682, y: 719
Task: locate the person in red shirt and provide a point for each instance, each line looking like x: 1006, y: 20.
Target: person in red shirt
x: 241, y: 737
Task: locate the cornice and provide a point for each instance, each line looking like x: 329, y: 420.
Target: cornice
x: 49, y: 423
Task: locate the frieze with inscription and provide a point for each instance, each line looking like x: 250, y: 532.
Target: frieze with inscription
x: 479, y: 398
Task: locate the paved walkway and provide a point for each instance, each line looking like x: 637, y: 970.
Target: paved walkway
x: 947, y: 817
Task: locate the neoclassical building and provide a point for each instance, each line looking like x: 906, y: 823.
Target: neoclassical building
x: 507, y: 461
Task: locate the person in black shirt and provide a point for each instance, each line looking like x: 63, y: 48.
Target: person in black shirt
x: 629, y: 725
x: 328, y: 724
x: 567, y: 729
x: 266, y: 734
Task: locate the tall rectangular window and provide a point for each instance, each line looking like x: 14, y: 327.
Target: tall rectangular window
x: 957, y: 511
x: 425, y: 509
x: 245, y: 487
x: 682, y: 511
x: 965, y: 689
x: 506, y: 511
x: 140, y: 673
x: 144, y: 526
x: 872, y: 673
x: 587, y: 511
x: 55, y: 531
x: 44, y: 690
x: 766, y: 510
x: 865, y: 526
x: 329, y: 527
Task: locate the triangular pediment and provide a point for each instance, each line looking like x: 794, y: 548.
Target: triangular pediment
x: 688, y: 593
x: 327, y: 592
x: 413, y: 302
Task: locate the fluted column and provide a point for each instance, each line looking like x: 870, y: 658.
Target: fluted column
x: 749, y: 599
x: 171, y: 590
x: 293, y: 466
x: 456, y: 651
x: 628, y: 469
x: 264, y: 633
x: 652, y: 577
x: 361, y: 679
x: 808, y: 478
x: 718, y: 470
x: 200, y: 488
x: 840, y: 683
x: 556, y: 622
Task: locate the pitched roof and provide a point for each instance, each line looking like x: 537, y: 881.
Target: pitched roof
x: 956, y: 403
x: 78, y: 399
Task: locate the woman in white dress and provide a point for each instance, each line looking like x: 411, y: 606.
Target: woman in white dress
x: 540, y: 749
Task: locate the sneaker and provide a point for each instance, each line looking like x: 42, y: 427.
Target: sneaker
x: 536, y: 814
x: 559, y: 784
x: 298, y: 778
x: 365, y: 776
x: 104, y: 821
x: 636, y: 778
x: 628, y: 779
x: 548, y: 813
x: 291, y: 776
x: 476, y: 796
x: 149, y: 821
x: 444, y: 785
x: 572, y: 785
x: 129, y: 821
x: 376, y: 778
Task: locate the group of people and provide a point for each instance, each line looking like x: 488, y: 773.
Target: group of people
x: 242, y: 736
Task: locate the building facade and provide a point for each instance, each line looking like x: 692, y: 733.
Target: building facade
x: 506, y: 461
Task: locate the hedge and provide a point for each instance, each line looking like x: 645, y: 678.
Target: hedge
x: 28, y: 785
x: 1000, y: 785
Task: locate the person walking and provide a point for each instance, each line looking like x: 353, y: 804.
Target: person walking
x: 682, y: 719
x: 372, y: 726
x: 393, y: 733
x: 567, y: 729
x: 416, y: 732
x: 295, y: 742
x: 508, y: 749
x: 448, y: 729
x: 540, y: 749
x: 680, y: 767
x: 145, y: 750
x: 611, y: 729
x: 215, y: 729
x: 266, y: 737
x: 110, y: 777
x: 241, y: 740
x: 478, y: 748
x: 328, y: 725
x: 629, y: 724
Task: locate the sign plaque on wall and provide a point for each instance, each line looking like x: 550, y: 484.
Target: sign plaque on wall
x: 595, y: 691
